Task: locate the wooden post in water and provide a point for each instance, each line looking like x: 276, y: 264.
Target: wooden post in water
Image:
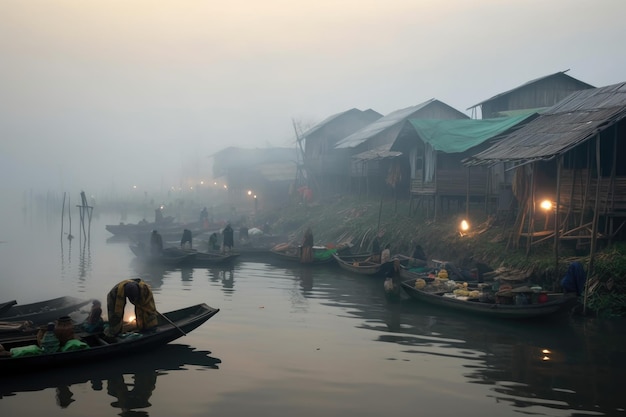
x: 85, y: 210
x: 69, y: 216
x: 63, y: 215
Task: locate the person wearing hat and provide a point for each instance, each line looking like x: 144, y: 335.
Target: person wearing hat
x: 156, y: 244
x: 186, y: 239
x: 229, y: 240
x: 140, y: 295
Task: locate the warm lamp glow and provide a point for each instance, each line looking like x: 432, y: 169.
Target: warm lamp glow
x: 249, y: 192
x: 464, y: 226
x: 546, y: 205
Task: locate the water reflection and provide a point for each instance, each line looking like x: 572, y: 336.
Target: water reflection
x: 153, y: 274
x: 580, y: 374
x: 134, y: 394
x: 224, y: 275
x: 84, y: 264
x: 130, y: 381
x: 559, y: 363
x: 186, y: 274
x: 529, y: 365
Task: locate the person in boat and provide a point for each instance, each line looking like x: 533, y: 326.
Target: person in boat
x: 229, y: 240
x: 574, y: 280
x: 94, y: 321
x: 185, y: 241
x: 392, y: 277
x: 385, y: 256
x: 418, y: 257
x: 375, y: 257
x: 140, y: 295
x: 158, y: 216
x: 306, y: 250
x: 213, y: 242
x: 156, y: 244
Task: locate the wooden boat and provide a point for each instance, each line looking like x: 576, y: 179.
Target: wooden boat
x: 407, y: 273
x: 359, y: 264
x: 321, y: 254
x: 206, y: 259
x: 171, y: 233
x: 44, y: 311
x: 130, y: 229
x: 171, y: 326
x: 554, y: 304
x: 4, y: 307
x: 169, y: 256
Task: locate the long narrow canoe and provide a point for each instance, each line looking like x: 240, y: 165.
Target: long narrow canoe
x: 43, y: 312
x: 4, y: 307
x: 206, y: 259
x: 556, y: 303
x: 169, y: 257
x: 359, y: 264
x: 321, y: 255
x: 171, y: 326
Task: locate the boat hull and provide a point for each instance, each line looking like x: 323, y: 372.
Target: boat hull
x: 557, y: 304
x: 44, y: 311
x: 176, y: 324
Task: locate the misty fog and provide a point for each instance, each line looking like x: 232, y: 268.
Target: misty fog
x: 104, y: 96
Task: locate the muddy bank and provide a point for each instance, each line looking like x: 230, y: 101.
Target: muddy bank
x: 355, y: 221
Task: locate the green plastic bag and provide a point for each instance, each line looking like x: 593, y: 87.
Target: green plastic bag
x: 30, y: 350
x: 74, y: 344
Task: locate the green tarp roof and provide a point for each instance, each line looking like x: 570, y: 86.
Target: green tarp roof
x: 459, y: 135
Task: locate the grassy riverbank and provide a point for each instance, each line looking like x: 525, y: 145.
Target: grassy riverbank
x: 486, y: 245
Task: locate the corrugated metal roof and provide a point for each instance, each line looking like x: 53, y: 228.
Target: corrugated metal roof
x: 573, y: 120
x: 382, y: 152
x: 560, y: 73
x: 329, y: 119
x: 380, y: 125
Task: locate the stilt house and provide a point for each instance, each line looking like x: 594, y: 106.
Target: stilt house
x: 573, y: 159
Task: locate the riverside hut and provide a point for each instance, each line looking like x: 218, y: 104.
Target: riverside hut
x: 572, y: 158
x: 433, y: 151
x: 368, y: 171
x: 324, y: 165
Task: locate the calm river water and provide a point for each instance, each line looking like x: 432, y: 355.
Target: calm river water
x: 301, y: 341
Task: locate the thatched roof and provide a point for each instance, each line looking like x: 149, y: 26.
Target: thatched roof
x: 572, y: 121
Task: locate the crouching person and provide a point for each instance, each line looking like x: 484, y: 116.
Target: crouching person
x: 140, y: 295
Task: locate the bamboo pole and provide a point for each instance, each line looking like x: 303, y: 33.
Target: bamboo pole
x: 557, y: 208
x: 63, y: 215
x: 531, y: 208
x: 467, y: 195
x: 594, y: 225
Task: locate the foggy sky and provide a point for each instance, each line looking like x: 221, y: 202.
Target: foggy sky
x: 99, y: 94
